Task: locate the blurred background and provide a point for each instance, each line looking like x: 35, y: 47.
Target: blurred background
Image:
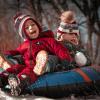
x: 47, y: 12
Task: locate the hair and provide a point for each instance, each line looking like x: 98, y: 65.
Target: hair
x: 69, y: 15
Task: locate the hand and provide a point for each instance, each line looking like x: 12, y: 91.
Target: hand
x: 1, y: 61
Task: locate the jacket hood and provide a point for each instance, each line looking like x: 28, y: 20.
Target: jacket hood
x: 19, y: 23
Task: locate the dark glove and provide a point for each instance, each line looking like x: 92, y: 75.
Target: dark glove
x: 65, y: 64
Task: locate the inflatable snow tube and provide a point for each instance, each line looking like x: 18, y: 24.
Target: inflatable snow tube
x: 79, y: 81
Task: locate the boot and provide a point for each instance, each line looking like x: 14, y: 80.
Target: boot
x: 18, y: 86
x: 14, y: 84
x: 41, y: 60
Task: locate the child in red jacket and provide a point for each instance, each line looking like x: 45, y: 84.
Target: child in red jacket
x: 34, y: 50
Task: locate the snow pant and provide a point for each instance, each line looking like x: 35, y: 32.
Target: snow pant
x: 52, y: 64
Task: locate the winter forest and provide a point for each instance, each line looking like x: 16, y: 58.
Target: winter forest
x: 47, y: 12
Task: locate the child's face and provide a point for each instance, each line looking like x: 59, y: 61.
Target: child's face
x: 31, y: 29
x: 72, y: 38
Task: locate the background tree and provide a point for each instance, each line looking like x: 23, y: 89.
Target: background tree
x: 90, y: 9
x: 47, y: 12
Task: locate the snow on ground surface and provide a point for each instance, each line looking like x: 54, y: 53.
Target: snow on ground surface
x: 4, y: 96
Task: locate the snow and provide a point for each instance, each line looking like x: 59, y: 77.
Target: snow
x: 4, y: 96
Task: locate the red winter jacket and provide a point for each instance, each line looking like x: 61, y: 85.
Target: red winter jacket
x: 29, y: 49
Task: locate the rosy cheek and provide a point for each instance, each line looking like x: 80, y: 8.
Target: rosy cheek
x: 27, y: 32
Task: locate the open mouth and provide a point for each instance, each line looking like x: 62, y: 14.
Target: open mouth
x: 33, y: 32
x: 74, y: 41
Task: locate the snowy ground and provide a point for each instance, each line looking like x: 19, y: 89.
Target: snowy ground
x: 4, y: 96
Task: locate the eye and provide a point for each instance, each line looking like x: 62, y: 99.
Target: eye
x: 26, y: 28
x: 32, y: 24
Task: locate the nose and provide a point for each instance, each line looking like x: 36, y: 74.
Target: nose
x: 74, y: 35
x: 30, y: 28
